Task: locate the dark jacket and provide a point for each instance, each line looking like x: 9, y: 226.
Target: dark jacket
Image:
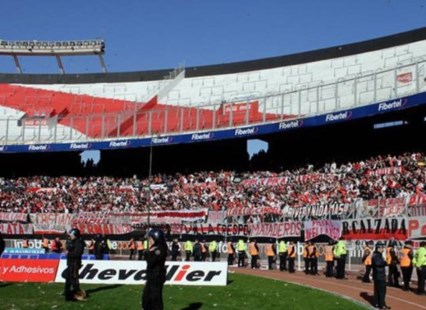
x: 197, y: 250
x: 156, y: 260
x: 175, y: 248
x: 378, y: 264
x: 75, y: 249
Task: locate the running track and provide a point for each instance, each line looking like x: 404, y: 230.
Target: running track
x: 352, y: 288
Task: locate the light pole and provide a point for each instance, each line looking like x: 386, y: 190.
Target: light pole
x: 149, y: 182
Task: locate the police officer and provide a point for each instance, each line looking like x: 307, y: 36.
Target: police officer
x: 197, y: 251
x: 379, y: 276
x: 419, y: 261
x: 75, y: 249
x: 241, y: 248
x: 340, y: 255
x: 213, y: 250
x: 188, y: 250
x: 152, y: 297
x: 175, y: 252
x: 282, y: 252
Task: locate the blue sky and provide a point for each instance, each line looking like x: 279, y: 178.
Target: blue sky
x: 147, y: 35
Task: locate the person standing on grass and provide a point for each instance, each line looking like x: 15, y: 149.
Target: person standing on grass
x: 156, y: 255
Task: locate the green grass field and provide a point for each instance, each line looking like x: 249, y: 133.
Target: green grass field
x: 243, y: 292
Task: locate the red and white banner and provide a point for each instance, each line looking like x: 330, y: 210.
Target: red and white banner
x: 272, y: 181
x: 320, y: 211
x: 417, y: 227
x: 391, y: 207
x: 252, y: 211
x: 16, y: 229
x: 276, y: 230
x: 216, y: 217
x: 13, y: 217
x: 134, y: 272
x: 28, y: 270
x: 331, y: 228
x: 49, y: 229
x: 417, y: 200
x: 375, y: 229
x: 104, y: 229
x: 50, y: 190
x: 382, y: 171
x: 60, y: 219
x: 91, y: 218
x: 404, y: 78
x: 209, y: 229
x: 238, y: 108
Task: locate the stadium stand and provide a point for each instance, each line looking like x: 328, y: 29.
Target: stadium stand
x: 385, y: 176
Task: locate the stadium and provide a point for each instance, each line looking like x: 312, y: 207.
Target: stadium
x: 345, y: 161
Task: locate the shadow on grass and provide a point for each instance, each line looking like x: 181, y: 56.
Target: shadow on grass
x: 193, y: 306
x: 4, y: 284
x: 229, y: 282
x: 102, y: 288
x: 367, y: 297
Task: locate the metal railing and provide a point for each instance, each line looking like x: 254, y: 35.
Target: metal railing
x: 322, y: 98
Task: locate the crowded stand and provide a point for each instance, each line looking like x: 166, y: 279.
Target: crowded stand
x: 383, y: 176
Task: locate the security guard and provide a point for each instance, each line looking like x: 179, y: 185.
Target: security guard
x: 291, y: 256
x: 75, y: 249
x: 420, y: 262
x: 204, y: 251
x: 140, y: 249
x: 340, y: 255
x: 188, y: 250
x: 329, y: 259
x: 231, y: 251
x: 213, y: 250
x: 305, y: 257
x: 379, y: 276
x: 282, y: 252
x: 271, y: 252
x: 366, y: 260
x: 152, y: 297
x: 406, y: 261
x: 131, y: 246
x: 313, y: 258
x: 241, y: 248
x: 254, y: 252
x: 392, y: 261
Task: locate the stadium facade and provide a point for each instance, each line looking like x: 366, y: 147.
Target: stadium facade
x: 309, y: 107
